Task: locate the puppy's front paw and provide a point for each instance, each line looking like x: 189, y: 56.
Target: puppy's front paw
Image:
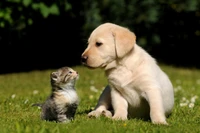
x: 107, y: 113
x: 158, y: 122
x: 97, y: 113
x: 119, y: 117
x: 158, y: 119
x: 94, y: 113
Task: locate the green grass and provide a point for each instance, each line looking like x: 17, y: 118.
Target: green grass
x: 18, y: 91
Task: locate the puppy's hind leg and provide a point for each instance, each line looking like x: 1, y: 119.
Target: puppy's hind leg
x: 104, y: 103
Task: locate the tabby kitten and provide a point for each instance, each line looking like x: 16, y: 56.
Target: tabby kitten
x: 62, y: 104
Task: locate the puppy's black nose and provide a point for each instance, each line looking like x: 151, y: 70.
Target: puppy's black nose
x: 84, y: 59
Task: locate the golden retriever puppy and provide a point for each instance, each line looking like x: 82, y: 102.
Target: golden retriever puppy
x: 137, y: 88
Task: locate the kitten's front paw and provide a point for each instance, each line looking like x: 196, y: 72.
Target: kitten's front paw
x: 62, y: 119
x: 65, y: 121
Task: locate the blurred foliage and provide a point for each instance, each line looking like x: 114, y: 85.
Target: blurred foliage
x: 160, y: 25
x: 142, y: 17
x: 135, y: 14
x: 20, y: 13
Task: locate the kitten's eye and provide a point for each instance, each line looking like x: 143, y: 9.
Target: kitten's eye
x: 70, y: 72
x: 98, y: 44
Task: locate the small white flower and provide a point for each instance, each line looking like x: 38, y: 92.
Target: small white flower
x: 26, y: 101
x: 92, y: 88
x: 35, y: 92
x: 193, y: 99
x: 177, y: 88
x: 183, y: 104
x: 13, y: 96
x: 191, y: 105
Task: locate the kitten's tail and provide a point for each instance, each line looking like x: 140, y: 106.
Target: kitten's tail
x: 37, y: 104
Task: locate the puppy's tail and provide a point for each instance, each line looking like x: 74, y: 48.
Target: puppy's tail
x: 37, y: 104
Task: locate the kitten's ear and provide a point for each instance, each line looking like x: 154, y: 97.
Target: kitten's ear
x: 54, y: 76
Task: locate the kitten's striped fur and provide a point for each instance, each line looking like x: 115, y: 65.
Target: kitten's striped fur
x: 62, y: 104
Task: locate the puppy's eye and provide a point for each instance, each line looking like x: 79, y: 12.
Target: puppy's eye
x: 98, y: 44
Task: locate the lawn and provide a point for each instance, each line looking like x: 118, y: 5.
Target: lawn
x: 18, y: 91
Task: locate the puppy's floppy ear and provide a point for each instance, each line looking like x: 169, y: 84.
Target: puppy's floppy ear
x: 124, y: 41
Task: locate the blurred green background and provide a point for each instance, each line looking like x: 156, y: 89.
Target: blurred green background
x: 37, y: 34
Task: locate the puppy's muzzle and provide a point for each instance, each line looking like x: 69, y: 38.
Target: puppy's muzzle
x: 84, y: 59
